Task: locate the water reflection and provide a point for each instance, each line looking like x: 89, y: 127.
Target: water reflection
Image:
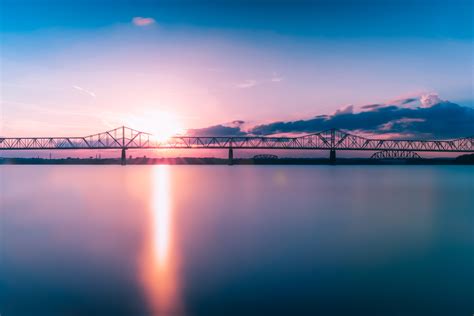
x: 159, y: 268
x: 249, y: 240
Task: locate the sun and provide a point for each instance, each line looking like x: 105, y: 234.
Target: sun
x: 162, y: 125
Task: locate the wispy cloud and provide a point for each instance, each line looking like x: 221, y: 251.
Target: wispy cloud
x: 276, y: 78
x: 142, y: 21
x: 88, y: 92
x: 249, y: 83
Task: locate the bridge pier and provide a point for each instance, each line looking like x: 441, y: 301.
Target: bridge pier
x: 231, y: 157
x: 123, y: 161
x: 332, y: 156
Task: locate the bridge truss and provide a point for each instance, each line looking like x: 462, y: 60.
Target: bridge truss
x: 126, y: 138
x: 395, y: 154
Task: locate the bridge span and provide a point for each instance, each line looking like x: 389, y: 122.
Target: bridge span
x: 124, y: 138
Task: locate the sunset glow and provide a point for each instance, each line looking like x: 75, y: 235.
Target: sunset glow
x: 162, y: 125
x: 236, y: 157
x: 165, y: 71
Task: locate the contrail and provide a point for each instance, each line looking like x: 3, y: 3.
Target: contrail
x: 92, y: 94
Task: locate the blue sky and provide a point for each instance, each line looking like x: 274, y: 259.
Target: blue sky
x: 91, y: 65
x: 337, y: 18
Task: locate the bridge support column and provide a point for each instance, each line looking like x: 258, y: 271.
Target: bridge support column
x: 332, y: 156
x: 231, y: 157
x: 123, y: 161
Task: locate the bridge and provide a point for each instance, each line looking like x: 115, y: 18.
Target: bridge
x: 125, y: 138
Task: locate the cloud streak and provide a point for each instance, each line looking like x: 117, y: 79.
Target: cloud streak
x: 247, y: 84
x: 250, y: 83
x: 90, y: 93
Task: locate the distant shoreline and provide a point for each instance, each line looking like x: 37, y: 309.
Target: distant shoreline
x: 461, y: 160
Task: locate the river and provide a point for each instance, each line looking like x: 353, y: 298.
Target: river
x: 236, y: 240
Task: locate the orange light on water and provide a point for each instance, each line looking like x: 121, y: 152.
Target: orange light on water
x: 161, y: 215
x: 159, y: 268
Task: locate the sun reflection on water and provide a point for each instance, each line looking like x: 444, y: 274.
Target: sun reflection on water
x: 160, y: 264
x: 161, y: 216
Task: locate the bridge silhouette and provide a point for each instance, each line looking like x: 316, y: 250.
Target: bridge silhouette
x: 125, y: 138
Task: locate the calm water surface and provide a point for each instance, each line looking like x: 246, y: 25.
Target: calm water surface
x: 219, y: 240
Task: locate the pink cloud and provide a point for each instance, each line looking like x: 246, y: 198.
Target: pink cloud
x: 429, y: 100
x: 141, y: 21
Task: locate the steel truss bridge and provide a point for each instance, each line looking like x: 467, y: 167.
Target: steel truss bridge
x: 124, y: 138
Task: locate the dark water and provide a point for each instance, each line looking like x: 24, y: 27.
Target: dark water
x: 218, y: 240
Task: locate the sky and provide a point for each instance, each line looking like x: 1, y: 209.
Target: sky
x: 392, y: 68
